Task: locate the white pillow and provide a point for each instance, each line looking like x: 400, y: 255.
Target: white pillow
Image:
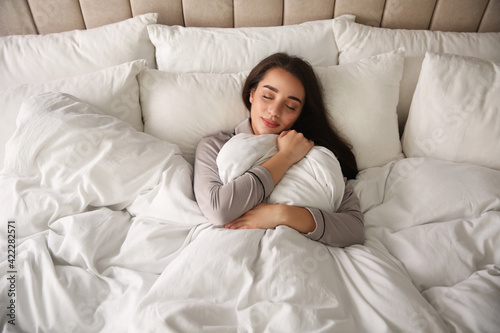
x: 362, y: 98
x: 40, y: 58
x: 223, y: 50
x: 357, y: 41
x: 184, y: 108
x: 455, y: 113
x: 317, y: 175
x: 114, y: 90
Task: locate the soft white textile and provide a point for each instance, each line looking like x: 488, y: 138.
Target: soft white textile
x: 361, y: 98
x: 230, y: 50
x: 356, y: 41
x: 40, y: 58
x: 82, y: 263
x: 280, y: 281
x: 441, y: 220
x: 113, y: 90
x: 315, y: 181
x: 455, y: 112
x: 67, y: 157
x: 422, y: 226
x: 184, y: 108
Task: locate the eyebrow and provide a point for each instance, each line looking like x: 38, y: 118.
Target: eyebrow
x: 276, y: 90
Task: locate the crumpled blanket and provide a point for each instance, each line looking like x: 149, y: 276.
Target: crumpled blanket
x: 68, y: 157
x: 316, y: 181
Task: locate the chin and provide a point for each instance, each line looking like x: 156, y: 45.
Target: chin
x: 270, y: 131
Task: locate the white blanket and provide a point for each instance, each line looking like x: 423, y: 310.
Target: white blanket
x: 441, y: 220
x: 110, y: 239
x: 315, y: 181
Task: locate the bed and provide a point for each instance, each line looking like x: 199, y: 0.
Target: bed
x: 104, y: 102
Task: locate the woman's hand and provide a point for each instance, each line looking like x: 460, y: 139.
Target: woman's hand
x: 269, y: 216
x: 293, y: 145
x: 263, y: 216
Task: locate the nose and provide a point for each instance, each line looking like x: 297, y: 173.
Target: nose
x: 275, y: 109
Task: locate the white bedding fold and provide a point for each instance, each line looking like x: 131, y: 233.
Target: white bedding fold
x: 253, y: 281
x: 315, y: 181
x: 441, y: 220
x: 424, y: 190
x: 83, y: 260
x: 67, y: 157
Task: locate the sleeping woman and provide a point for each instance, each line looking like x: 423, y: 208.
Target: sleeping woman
x: 284, y: 98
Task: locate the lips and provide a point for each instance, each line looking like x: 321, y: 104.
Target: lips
x: 269, y: 123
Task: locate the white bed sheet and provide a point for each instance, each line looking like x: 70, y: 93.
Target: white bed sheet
x: 139, y: 256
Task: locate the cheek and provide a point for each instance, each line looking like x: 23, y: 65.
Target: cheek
x: 254, y: 111
x: 256, y: 106
x: 291, y: 119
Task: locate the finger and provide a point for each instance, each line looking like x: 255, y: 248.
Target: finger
x: 244, y: 226
x: 283, y: 133
x: 238, y: 226
x: 228, y: 225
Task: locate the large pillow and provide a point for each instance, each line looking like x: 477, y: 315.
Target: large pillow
x: 114, y: 90
x: 184, y: 108
x: 223, y: 50
x: 362, y: 99
x: 356, y: 41
x: 40, y: 58
x: 455, y: 112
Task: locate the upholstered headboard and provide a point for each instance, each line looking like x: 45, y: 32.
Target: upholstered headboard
x: 47, y: 16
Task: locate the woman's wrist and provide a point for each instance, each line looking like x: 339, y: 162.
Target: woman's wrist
x: 297, y: 218
x: 285, y: 158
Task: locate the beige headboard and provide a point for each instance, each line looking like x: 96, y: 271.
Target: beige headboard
x: 47, y: 16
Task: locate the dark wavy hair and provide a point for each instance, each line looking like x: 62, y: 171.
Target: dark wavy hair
x: 314, y: 121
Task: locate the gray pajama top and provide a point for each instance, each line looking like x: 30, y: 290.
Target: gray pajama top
x: 223, y: 203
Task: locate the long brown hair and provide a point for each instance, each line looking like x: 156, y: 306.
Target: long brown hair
x: 314, y: 121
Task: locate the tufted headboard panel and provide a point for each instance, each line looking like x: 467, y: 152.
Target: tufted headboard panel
x: 47, y: 16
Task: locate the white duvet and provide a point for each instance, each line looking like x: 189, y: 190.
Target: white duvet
x: 315, y: 181
x: 110, y: 239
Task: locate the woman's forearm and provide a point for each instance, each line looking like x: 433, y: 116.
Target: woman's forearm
x: 277, y: 166
x: 292, y: 147
x: 222, y: 203
x: 342, y: 228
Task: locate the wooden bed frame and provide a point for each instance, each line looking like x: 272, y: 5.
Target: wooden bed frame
x: 49, y: 16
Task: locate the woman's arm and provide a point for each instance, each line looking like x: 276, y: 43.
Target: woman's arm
x: 292, y: 147
x: 342, y: 228
x: 222, y: 203
x: 269, y: 216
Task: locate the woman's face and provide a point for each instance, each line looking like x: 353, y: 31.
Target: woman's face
x: 276, y: 102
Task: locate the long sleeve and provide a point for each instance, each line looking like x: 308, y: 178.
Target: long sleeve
x: 342, y: 228
x: 222, y: 203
